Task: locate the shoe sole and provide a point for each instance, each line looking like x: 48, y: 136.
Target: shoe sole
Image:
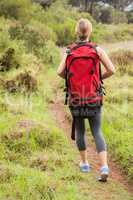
x: 103, y: 177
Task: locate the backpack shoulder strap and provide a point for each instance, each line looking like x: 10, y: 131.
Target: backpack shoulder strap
x: 94, y: 46
x: 69, y: 47
x: 80, y: 44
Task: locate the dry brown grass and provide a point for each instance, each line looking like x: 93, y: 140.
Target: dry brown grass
x: 23, y: 82
x: 39, y: 161
x: 123, y: 59
x: 5, y: 173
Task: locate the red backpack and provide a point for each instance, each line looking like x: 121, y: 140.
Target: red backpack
x: 83, y: 76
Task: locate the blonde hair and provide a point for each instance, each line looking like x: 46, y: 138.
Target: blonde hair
x: 83, y: 29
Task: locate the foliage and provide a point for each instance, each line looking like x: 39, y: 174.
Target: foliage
x: 64, y: 29
x: 50, y: 53
x: 113, y: 12
x: 34, y: 35
x: 89, y: 5
x: 109, y: 15
x: 119, y: 4
x: 23, y: 82
x: 44, y: 3
x: 18, y: 9
x: 130, y: 17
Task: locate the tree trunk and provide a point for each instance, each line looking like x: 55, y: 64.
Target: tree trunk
x: 91, y: 7
x: 86, y: 5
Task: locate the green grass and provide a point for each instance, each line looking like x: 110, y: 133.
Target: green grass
x: 118, y: 117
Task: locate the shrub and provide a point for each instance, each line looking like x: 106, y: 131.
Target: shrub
x: 119, y: 17
x: 23, y: 82
x: 50, y: 53
x: 34, y: 35
x: 12, y: 55
x: 45, y: 3
x: 65, y: 32
x: 17, y: 9
x: 106, y: 15
x: 130, y: 17
x: 8, y: 60
x: 109, y: 15
x: 4, y: 40
x: 123, y: 32
x: 64, y: 26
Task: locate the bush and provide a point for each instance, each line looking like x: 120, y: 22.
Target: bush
x: 130, y: 17
x: 17, y: 9
x: 4, y: 40
x: 119, y: 17
x: 8, y: 60
x: 65, y: 32
x: 45, y: 3
x: 123, y: 32
x: 12, y: 55
x: 109, y: 15
x: 64, y: 29
x: 50, y: 53
x: 23, y: 82
x: 34, y: 35
x: 106, y: 15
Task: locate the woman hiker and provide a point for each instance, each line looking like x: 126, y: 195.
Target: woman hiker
x: 80, y: 67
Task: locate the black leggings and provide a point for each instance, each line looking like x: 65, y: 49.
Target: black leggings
x: 95, y: 126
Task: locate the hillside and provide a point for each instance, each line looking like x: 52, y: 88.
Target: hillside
x: 37, y: 159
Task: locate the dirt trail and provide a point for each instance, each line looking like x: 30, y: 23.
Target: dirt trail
x: 62, y: 121
x: 126, y: 45
x: 60, y: 116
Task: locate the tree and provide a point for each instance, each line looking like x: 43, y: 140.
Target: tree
x: 44, y: 3
x: 76, y: 3
x: 130, y: 17
x: 87, y: 5
x: 119, y: 4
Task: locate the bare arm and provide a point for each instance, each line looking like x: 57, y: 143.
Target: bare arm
x: 108, y: 65
x: 61, y: 68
